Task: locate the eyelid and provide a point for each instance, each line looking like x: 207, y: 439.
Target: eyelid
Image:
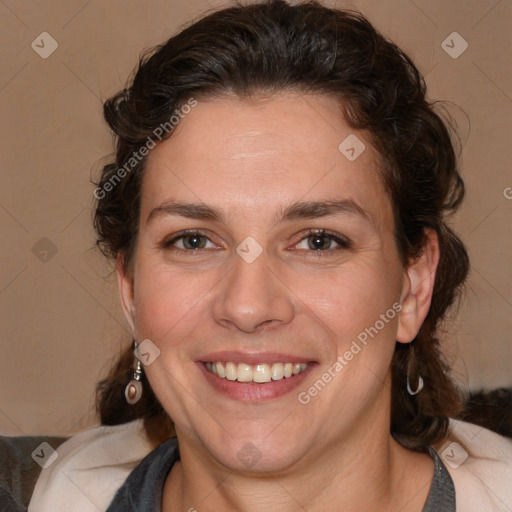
x: 340, y: 239
x: 168, y: 241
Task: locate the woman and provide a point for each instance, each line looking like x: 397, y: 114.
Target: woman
x: 277, y: 211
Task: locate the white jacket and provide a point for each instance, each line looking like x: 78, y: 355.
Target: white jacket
x: 91, y: 466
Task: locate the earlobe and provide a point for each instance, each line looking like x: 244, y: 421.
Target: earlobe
x: 125, y: 286
x: 417, y: 289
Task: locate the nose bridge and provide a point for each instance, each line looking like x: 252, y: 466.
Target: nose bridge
x: 252, y: 295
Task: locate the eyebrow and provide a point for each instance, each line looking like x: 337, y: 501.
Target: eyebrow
x: 315, y: 209
x: 295, y: 211
x: 196, y: 211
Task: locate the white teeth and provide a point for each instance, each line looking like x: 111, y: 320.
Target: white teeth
x: 244, y: 373
x: 220, y: 370
x: 259, y: 373
x: 231, y: 371
x: 277, y: 371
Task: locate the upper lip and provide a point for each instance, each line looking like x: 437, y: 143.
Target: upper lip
x: 232, y: 356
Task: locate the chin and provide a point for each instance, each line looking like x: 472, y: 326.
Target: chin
x: 255, y: 451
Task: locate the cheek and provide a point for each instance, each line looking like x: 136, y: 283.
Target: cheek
x: 352, y: 299
x: 168, y: 303
x: 354, y: 306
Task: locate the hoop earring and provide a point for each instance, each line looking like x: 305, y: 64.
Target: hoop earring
x: 420, y: 381
x: 133, y: 390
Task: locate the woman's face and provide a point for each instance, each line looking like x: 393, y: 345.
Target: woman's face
x: 264, y: 242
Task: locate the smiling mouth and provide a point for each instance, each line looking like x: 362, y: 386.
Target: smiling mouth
x: 258, y: 373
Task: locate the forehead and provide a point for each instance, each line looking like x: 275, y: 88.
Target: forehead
x: 248, y: 157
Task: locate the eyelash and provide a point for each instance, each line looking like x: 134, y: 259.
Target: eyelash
x: 343, y: 242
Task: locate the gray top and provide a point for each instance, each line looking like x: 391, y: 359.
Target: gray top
x: 441, y: 497
x: 142, y: 490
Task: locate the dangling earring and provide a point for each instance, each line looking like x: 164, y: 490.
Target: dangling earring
x: 133, y: 390
x: 420, y: 380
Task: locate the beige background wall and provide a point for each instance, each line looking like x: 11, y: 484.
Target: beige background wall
x: 60, y: 319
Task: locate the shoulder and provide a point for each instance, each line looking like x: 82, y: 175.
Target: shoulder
x: 480, y: 464
x: 88, y: 468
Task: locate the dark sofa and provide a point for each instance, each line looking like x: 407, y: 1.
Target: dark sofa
x: 19, y: 471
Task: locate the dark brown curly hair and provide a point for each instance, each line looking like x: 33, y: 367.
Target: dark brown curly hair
x: 265, y: 48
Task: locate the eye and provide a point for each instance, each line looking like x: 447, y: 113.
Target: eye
x: 188, y: 242
x: 322, y: 241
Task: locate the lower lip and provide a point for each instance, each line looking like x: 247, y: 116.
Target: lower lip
x: 252, y: 391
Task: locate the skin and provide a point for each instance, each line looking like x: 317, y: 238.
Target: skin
x: 251, y: 160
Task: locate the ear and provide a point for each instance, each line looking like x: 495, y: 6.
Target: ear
x: 417, y: 289
x: 125, y: 286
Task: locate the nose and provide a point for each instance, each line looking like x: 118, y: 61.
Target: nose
x: 252, y: 298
